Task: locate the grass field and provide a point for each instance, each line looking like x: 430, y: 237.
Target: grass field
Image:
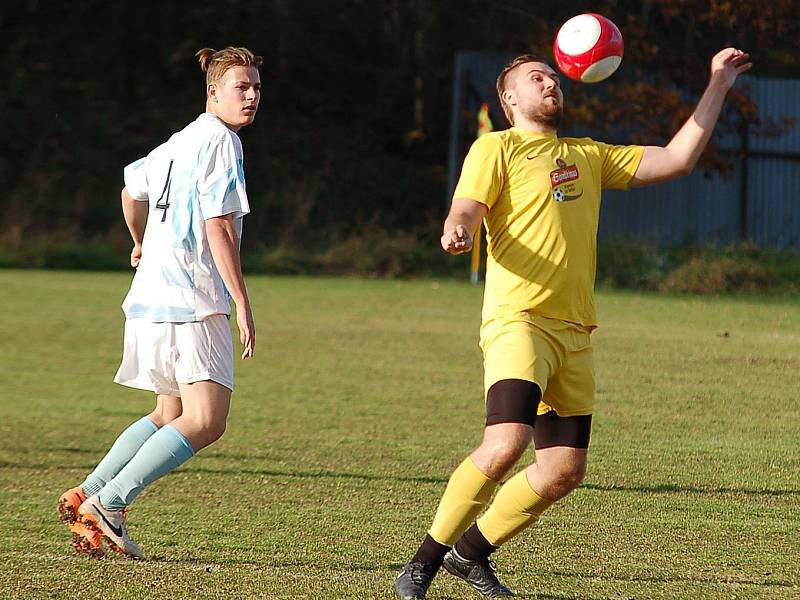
x: 361, y: 399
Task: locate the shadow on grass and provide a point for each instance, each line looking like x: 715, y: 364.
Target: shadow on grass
x: 644, y: 489
x: 200, y: 564
x: 315, y: 474
x: 656, y: 488
x: 671, y: 488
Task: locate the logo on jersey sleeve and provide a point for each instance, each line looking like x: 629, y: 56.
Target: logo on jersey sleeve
x: 565, y: 182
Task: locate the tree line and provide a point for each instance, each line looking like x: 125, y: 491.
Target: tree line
x: 354, y: 121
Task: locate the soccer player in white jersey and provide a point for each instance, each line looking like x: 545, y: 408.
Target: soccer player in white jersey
x: 190, y: 193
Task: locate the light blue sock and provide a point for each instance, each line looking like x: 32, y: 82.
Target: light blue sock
x: 125, y: 448
x: 166, y: 450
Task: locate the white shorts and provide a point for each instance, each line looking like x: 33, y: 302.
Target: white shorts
x: 159, y: 356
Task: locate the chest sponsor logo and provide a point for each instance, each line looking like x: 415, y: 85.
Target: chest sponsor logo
x: 564, y: 173
x: 564, y: 182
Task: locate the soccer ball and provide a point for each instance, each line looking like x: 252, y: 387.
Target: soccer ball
x: 588, y: 48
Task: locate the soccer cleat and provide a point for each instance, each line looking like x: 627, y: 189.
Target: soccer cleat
x: 84, y: 539
x: 480, y: 574
x: 110, y: 524
x: 414, y: 580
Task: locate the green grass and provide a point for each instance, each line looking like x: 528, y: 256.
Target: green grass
x: 361, y: 399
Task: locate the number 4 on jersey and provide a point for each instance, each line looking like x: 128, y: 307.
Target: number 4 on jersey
x: 163, y: 201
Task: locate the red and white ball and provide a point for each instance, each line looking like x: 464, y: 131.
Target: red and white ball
x: 588, y: 48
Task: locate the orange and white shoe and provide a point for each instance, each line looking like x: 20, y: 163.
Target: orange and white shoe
x: 110, y: 524
x: 84, y: 539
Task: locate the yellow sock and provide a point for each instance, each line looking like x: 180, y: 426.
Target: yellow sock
x: 467, y: 493
x: 515, y: 507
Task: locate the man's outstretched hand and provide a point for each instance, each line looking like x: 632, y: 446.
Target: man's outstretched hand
x: 728, y: 64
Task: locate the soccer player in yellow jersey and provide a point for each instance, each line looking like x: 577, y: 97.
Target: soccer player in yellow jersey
x: 539, y: 196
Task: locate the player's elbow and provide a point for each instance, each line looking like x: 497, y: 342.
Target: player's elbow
x: 669, y: 172
x: 220, y: 228
x: 664, y: 164
x: 684, y: 168
x: 126, y: 197
x: 222, y: 223
x: 213, y: 228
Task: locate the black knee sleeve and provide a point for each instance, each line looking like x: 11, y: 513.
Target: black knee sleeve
x: 512, y: 401
x: 552, y: 430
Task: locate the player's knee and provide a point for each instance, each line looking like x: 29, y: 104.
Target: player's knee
x: 157, y: 419
x: 216, y: 431
x: 504, y: 454
x: 209, y: 430
x: 574, y: 477
x: 205, y: 434
x: 164, y: 416
x: 171, y: 414
x: 567, y: 479
x: 212, y: 429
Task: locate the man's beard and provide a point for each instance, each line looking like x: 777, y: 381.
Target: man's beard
x: 549, y: 117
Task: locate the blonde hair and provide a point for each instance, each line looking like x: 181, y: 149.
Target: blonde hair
x: 501, y: 80
x: 214, y: 63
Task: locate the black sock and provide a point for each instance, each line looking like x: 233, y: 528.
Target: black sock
x: 430, y: 552
x: 473, y: 545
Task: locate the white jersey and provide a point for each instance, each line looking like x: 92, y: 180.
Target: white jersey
x: 195, y: 175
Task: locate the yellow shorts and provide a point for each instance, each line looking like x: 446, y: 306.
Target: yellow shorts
x: 556, y: 355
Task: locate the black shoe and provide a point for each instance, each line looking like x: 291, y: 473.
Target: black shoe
x: 414, y: 580
x: 480, y: 574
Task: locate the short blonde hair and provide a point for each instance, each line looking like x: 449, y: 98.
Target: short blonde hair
x: 214, y: 63
x: 501, y: 80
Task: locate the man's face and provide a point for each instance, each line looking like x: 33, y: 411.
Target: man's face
x: 234, y: 97
x: 535, y: 93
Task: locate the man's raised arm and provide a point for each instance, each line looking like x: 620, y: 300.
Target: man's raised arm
x: 680, y: 156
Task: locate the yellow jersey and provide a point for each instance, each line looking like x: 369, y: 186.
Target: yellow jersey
x: 543, y: 196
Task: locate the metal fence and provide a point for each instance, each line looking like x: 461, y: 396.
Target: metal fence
x: 760, y: 202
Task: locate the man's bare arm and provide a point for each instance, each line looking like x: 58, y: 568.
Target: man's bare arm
x: 680, y: 156
x: 461, y: 224
x: 224, y: 246
x: 135, y: 213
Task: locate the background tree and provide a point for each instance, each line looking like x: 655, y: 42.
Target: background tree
x: 352, y: 132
